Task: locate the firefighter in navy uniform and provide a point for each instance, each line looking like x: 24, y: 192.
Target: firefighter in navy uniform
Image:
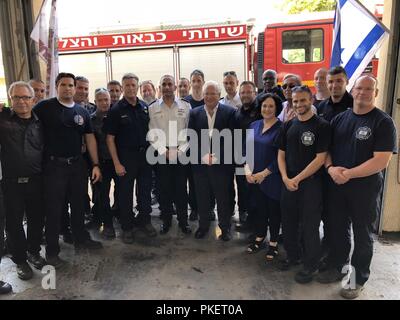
x: 339, y: 101
x: 303, y: 146
x: 363, y: 141
x: 126, y: 127
x: 65, y: 125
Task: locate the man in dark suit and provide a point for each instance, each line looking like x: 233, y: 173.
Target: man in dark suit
x: 213, y: 126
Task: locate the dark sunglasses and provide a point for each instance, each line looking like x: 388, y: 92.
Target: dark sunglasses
x: 230, y: 73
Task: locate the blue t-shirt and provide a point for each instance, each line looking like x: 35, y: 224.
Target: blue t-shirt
x: 265, y: 156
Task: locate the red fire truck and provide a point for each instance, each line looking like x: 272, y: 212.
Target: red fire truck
x: 151, y: 54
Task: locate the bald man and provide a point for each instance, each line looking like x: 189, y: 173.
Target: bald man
x: 321, y: 85
x: 363, y: 141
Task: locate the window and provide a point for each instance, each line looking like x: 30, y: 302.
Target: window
x: 300, y: 46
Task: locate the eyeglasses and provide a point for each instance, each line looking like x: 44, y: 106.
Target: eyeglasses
x: 230, y: 73
x: 290, y: 86
x: 23, y: 98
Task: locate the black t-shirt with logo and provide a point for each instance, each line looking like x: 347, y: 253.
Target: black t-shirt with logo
x: 355, y: 137
x: 302, y: 140
x: 63, y: 127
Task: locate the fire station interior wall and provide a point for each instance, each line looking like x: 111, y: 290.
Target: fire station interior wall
x: 3, y: 89
x: 147, y: 64
x: 89, y: 65
x: 389, y: 100
x: 213, y: 60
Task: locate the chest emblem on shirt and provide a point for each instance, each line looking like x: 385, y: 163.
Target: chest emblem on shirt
x: 308, y: 138
x: 363, y: 133
x: 78, y: 119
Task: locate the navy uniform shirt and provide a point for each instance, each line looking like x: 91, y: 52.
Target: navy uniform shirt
x: 129, y: 124
x: 21, y: 142
x: 327, y: 109
x: 355, y: 137
x: 64, y: 127
x: 302, y: 140
x: 194, y: 103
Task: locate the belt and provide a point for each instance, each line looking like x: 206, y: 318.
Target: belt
x: 69, y: 160
x: 21, y: 180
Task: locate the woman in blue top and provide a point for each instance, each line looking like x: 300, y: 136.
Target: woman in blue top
x: 263, y: 175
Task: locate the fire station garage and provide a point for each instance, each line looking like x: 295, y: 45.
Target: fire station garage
x: 177, y: 266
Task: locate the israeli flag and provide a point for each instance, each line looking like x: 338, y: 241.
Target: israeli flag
x: 357, y: 36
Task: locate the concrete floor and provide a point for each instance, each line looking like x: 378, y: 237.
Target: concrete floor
x: 176, y: 266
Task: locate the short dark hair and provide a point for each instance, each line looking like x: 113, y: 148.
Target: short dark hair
x: 130, y: 75
x: 65, y: 75
x: 277, y: 100
x: 184, y: 79
x: 251, y: 83
x: 303, y: 88
x: 82, y: 79
x: 337, y: 70
x: 197, y: 72
x: 114, y: 83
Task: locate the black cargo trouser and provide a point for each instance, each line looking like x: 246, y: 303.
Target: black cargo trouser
x: 64, y: 181
x: 301, y: 217
x: 23, y: 196
x: 102, y: 209
x: 355, y: 204
x: 137, y: 171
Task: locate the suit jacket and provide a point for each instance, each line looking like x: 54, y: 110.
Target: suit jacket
x: 225, y: 123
